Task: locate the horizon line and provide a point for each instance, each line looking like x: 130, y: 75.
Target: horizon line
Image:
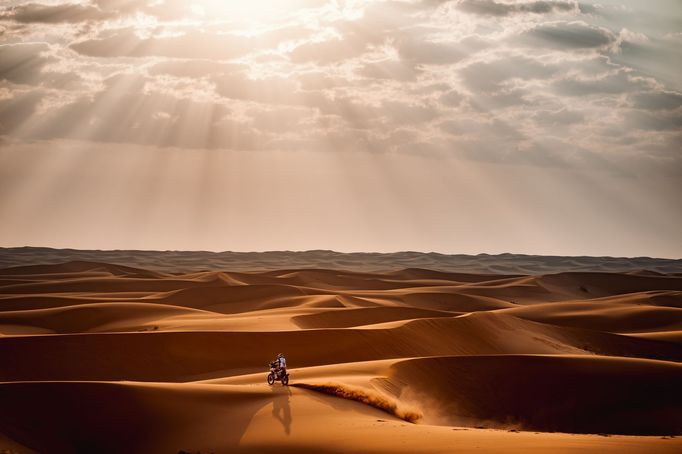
x: 342, y: 252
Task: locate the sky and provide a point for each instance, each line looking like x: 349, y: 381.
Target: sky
x: 462, y: 126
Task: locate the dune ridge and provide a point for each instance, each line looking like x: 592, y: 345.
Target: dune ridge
x: 408, y: 360
x: 186, y: 261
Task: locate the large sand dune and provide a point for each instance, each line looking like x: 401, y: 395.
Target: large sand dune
x: 100, y: 357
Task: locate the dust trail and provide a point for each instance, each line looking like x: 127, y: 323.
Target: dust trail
x: 365, y: 396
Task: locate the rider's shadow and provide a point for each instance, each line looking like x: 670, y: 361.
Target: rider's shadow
x: 281, y: 409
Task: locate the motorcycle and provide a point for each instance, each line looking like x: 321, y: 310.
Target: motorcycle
x: 277, y: 375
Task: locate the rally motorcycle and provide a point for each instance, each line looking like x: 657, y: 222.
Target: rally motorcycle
x: 276, y: 374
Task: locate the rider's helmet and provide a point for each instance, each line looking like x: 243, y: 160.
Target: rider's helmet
x: 280, y: 355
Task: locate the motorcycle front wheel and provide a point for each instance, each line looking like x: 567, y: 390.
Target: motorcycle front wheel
x: 271, y: 378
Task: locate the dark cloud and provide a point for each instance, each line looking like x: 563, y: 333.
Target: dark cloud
x: 23, y: 63
x: 654, y: 120
x: 494, y: 8
x: 561, y: 117
x: 451, y: 98
x: 568, y: 35
x: 486, y: 102
x: 52, y: 14
x: 661, y: 100
x: 431, y: 53
x: 655, y: 57
x: 18, y: 109
x: 587, y: 8
x: 402, y: 113
x: 167, y: 10
x: 490, y: 76
x: 460, y: 127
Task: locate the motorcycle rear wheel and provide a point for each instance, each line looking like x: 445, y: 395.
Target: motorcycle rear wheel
x: 285, y: 380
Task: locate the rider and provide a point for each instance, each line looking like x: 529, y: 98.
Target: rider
x: 281, y: 365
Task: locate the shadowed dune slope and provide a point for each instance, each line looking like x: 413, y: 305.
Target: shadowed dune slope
x: 603, y: 316
x: 115, y: 417
x: 548, y: 393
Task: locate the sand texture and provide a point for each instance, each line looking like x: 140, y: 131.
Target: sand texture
x: 117, y: 358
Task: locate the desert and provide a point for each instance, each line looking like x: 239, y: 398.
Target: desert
x: 101, y: 357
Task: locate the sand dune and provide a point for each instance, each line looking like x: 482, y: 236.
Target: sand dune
x: 225, y: 418
x: 548, y: 393
x: 184, y: 356
x: 603, y: 316
x: 114, y: 358
x: 346, y: 318
x: 94, y: 317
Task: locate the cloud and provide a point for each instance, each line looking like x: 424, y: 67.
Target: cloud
x: 491, y: 76
x: 494, y: 8
x: 191, y: 44
x: 396, y: 70
x: 660, y: 100
x: 568, y: 35
x: 654, y: 120
x: 194, y: 68
x: 270, y: 91
x: 402, y: 113
x: 53, y: 14
x: 614, y: 82
x: 16, y: 110
x: 562, y: 117
x: 493, y: 79
x: 451, y: 98
x: 431, y: 53
x: 22, y: 63
x: 328, y: 51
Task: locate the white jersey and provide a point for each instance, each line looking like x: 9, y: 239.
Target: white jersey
x: 282, y: 363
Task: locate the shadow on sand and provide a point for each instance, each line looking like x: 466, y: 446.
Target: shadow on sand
x: 281, y: 409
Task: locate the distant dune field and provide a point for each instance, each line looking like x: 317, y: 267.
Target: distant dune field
x: 186, y: 261
x: 479, y: 354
